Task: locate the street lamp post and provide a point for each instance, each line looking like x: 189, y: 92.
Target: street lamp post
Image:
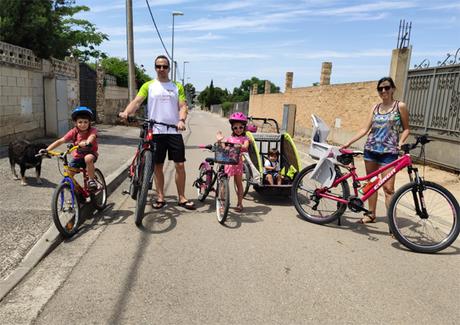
x: 183, y: 73
x: 173, y: 75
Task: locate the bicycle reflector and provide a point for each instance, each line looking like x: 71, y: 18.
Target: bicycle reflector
x: 149, y: 136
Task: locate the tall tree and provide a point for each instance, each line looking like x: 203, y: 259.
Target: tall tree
x: 47, y: 28
x: 242, y: 93
x: 119, y: 68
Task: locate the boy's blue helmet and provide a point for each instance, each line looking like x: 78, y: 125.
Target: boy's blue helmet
x: 81, y: 111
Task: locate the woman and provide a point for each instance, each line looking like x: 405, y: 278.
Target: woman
x: 384, y: 141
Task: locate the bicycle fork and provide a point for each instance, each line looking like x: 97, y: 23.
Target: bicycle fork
x: 417, y: 193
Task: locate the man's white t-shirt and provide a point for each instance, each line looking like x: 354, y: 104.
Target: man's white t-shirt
x: 163, y: 100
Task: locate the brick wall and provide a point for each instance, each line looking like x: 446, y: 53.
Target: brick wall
x: 21, y: 103
x: 348, y: 102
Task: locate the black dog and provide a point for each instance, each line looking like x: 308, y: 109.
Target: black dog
x: 22, y: 152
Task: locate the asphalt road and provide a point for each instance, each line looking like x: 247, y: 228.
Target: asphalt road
x: 266, y: 266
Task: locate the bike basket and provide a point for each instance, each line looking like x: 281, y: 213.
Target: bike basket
x: 227, y: 154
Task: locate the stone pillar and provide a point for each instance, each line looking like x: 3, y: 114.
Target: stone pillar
x: 289, y: 78
x: 400, y: 60
x: 254, y: 89
x: 267, y: 87
x: 326, y: 69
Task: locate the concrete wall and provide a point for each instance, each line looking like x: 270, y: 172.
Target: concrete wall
x: 29, y: 93
x: 115, y: 101
x: 341, y: 106
x: 21, y: 103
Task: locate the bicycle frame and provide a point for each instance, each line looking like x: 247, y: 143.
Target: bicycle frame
x: 397, y: 165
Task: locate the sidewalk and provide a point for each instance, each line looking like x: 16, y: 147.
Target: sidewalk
x: 25, y: 210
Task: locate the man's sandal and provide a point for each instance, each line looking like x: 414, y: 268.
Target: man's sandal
x: 189, y: 205
x: 367, y: 219
x: 158, y: 204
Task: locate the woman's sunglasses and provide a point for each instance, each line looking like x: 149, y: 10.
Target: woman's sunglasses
x: 237, y: 127
x: 380, y: 89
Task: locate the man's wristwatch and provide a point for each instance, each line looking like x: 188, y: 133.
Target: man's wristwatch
x: 182, y: 120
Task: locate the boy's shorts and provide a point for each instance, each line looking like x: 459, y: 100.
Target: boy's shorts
x: 380, y: 158
x: 171, y: 143
x: 79, y: 162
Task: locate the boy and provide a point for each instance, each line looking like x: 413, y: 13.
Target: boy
x: 84, y: 136
x: 272, y: 167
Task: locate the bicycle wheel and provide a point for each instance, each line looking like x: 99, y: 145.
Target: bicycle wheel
x: 203, y: 183
x: 424, y: 217
x: 247, y: 175
x: 99, y: 197
x: 222, y: 199
x: 146, y: 169
x: 65, y: 210
x: 134, y: 179
x: 316, y: 209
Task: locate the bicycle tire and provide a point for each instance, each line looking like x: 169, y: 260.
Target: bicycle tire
x: 302, y: 201
x: 203, y: 183
x: 222, y: 199
x: 144, y: 181
x: 99, y: 198
x: 66, y: 225
x: 134, y: 181
x: 247, y: 175
x: 442, y: 208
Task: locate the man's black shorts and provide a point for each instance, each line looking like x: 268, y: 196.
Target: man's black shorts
x: 171, y: 143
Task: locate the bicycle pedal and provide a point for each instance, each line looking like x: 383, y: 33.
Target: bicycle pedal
x: 125, y: 192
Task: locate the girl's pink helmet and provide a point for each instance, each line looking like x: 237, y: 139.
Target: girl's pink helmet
x: 238, y: 117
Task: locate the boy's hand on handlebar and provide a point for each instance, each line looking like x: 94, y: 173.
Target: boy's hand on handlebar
x: 123, y: 115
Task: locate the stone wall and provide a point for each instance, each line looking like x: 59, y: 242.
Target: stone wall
x: 21, y: 94
x: 115, y: 101
x: 342, y: 106
x: 36, y: 96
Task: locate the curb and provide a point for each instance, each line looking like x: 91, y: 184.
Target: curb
x: 51, y: 238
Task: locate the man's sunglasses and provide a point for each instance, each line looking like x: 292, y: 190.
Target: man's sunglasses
x: 238, y: 128
x: 159, y: 67
x: 380, y: 89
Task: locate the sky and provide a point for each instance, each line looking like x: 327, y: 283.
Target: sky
x: 230, y: 41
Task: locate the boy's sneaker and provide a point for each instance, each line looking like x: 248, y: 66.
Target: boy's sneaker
x: 92, y: 186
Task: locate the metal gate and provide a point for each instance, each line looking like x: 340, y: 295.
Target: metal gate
x: 433, y: 99
x: 88, y: 87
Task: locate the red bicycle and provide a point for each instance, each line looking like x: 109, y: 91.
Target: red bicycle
x: 423, y: 216
x: 140, y: 171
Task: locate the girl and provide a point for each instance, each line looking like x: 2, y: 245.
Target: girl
x: 238, y: 122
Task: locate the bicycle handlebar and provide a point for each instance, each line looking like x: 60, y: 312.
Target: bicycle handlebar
x: 421, y: 139
x: 70, y: 148
x: 132, y: 118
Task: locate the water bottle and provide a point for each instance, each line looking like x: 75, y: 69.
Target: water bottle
x: 368, y: 185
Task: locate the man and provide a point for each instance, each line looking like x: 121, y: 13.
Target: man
x: 166, y: 103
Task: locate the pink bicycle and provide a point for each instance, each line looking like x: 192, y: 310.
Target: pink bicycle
x: 423, y: 216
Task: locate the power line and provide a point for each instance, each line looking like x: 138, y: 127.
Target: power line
x: 158, y: 32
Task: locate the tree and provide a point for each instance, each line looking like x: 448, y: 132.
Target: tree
x: 47, y: 28
x: 213, y: 95
x: 119, y: 68
x: 189, y: 92
x: 241, y: 94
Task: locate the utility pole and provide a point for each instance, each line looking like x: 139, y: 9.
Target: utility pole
x: 130, y: 49
x: 183, y: 73
x: 173, y: 63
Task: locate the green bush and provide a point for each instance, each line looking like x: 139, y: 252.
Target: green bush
x: 226, y: 107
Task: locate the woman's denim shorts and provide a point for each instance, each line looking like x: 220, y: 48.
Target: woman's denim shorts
x: 380, y: 158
